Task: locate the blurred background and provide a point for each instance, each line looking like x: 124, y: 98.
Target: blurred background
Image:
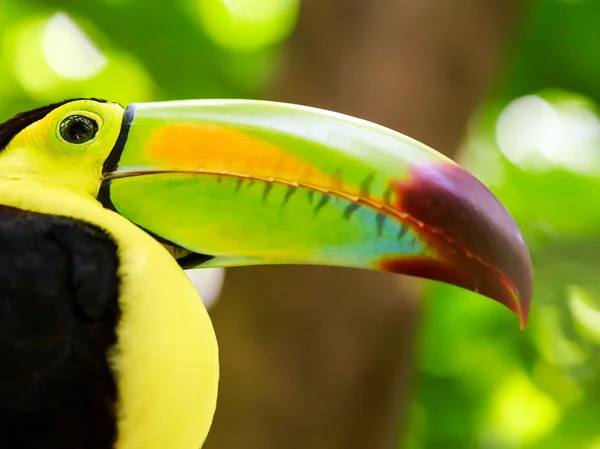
x: 324, y: 358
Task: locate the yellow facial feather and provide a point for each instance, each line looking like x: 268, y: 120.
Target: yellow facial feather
x: 39, y: 152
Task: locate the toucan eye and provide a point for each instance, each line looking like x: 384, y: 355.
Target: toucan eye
x: 78, y: 129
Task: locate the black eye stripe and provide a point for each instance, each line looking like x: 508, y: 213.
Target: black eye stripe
x: 78, y: 129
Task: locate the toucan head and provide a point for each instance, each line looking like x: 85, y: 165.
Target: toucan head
x: 243, y: 182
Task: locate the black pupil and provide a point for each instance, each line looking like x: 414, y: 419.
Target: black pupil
x: 78, y: 129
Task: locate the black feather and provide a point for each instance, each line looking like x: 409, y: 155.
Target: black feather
x: 58, y: 315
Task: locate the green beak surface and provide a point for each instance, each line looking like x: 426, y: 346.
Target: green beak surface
x: 240, y: 182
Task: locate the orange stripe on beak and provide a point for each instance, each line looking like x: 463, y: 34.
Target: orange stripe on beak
x: 216, y: 149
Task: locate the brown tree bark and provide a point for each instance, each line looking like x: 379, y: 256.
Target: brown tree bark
x: 322, y: 358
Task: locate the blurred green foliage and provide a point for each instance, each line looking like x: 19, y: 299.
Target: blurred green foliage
x: 482, y: 382
x: 535, y: 143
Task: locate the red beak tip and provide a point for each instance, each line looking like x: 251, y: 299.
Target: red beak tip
x: 523, y: 315
x: 516, y: 304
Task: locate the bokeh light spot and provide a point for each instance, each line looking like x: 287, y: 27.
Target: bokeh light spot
x: 30, y: 69
x: 69, y: 51
x: 585, y: 313
x: 559, y: 383
x: 552, y: 341
x: 521, y: 413
x: 124, y: 80
x: 540, y: 134
x: 248, y: 25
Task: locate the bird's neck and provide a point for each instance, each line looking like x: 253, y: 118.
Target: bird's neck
x: 166, y: 359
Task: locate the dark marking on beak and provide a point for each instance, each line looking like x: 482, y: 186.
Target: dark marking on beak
x: 324, y: 200
x: 403, y: 230
x: 365, y: 186
x: 387, y: 195
x: 268, y: 188
x: 350, y: 209
x: 238, y: 184
x: 380, y: 220
x: 289, y: 192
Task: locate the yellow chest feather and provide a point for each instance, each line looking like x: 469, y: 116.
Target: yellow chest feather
x: 166, y: 359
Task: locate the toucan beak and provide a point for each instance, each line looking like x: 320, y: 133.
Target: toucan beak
x: 240, y: 182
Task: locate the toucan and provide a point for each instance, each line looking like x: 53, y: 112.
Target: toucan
x: 104, y: 341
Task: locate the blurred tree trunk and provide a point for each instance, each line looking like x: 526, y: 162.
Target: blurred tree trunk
x: 322, y: 358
